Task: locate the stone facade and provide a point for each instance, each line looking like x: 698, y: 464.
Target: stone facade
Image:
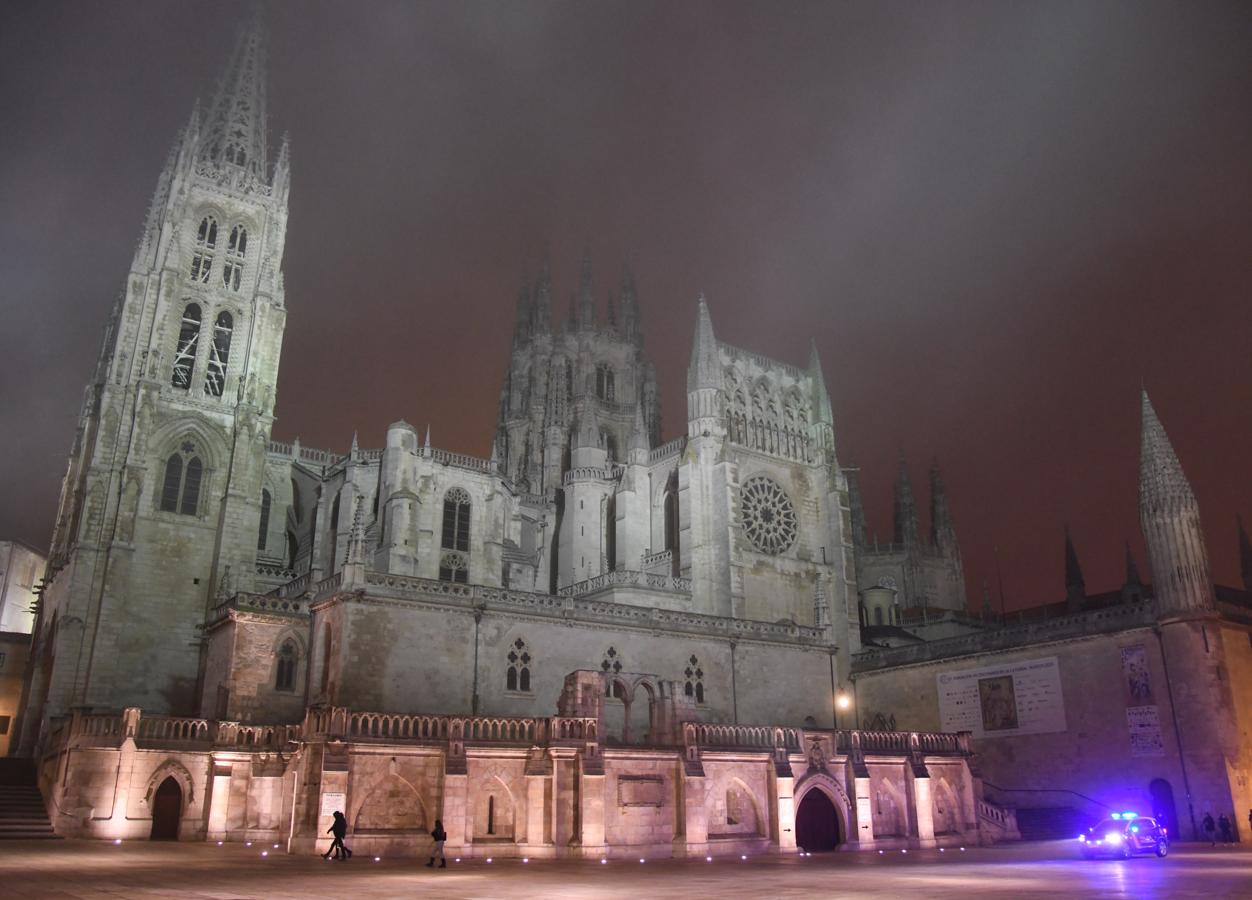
x: 1154, y: 710
x: 21, y: 567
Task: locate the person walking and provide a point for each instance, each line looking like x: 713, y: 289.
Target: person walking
x: 1210, y: 828
x: 439, y: 836
x: 338, y: 828
x: 1223, y: 825
x: 1250, y: 821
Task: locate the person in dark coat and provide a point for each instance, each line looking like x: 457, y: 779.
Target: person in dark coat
x: 1210, y: 828
x: 439, y: 836
x: 338, y: 828
x: 1223, y: 825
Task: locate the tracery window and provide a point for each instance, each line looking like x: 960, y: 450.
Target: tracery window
x: 219, y: 355
x: 206, y: 243
x: 236, y: 155
x: 266, y: 502
x: 605, y: 387
x: 517, y: 675
x: 694, y: 686
x: 769, y: 519
x: 236, y: 250
x: 454, y: 563
x: 185, y: 352
x: 285, y: 680
x: 180, y: 488
x: 611, y: 665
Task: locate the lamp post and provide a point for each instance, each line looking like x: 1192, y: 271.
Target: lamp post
x: 843, y: 702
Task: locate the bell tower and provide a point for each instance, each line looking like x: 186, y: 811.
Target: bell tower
x: 160, y: 504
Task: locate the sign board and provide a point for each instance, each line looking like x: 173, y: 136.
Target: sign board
x: 1144, y: 723
x: 333, y: 803
x: 1001, y: 701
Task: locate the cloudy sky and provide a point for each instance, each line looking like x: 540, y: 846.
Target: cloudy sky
x: 998, y: 221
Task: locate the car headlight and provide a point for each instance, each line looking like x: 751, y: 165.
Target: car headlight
x: 1113, y: 837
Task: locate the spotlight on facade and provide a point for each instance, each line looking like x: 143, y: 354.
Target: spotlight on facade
x: 843, y: 701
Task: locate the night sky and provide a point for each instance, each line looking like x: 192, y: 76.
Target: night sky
x: 996, y: 219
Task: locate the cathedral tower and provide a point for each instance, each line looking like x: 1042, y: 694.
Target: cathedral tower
x: 160, y: 507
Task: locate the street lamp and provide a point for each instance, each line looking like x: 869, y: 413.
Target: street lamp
x: 842, y: 702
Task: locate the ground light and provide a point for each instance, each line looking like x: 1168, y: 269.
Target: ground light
x: 265, y: 853
x: 488, y: 859
x: 605, y: 861
x: 378, y: 859
x: 117, y: 840
x: 643, y: 860
x: 708, y: 859
x: 525, y: 859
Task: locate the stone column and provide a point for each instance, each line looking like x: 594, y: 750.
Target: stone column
x: 923, y: 812
x: 864, y: 835
x: 692, y: 817
x: 591, y: 812
x: 783, y: 827
x: 219, y: 798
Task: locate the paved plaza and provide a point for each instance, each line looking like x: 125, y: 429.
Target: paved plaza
x: 80, y: 869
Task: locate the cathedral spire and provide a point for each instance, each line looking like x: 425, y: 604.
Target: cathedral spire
x: 1132, y: 568
x: 282, y: 170
x: 704, y: 370
x: 1075, y: 586
x: 234, y: 129
x: 1245, y: 555
x: 541, y: 308
x: 639, y: 432
x: 628, y: 305
x: 857, y: 508
x: 586, y: 297
x: 942, y: 531
x: 817, y: 380
x: 521, y: 322
x: 906, y: 528
x: 1170, y: 519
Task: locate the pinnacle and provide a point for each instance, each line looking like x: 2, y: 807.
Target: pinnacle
x: 1161, y: 478
x: 704, y: 370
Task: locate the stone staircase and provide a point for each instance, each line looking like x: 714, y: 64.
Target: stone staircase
x: 22, y: 812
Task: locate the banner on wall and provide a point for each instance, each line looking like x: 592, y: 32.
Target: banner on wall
x: 1000, y: 701
x: 1144, y: 723
x: 1135, y: 676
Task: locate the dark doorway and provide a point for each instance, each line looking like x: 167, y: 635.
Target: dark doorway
x: 167, y: 809
x: 1163, y: 806
x: 817, y: 823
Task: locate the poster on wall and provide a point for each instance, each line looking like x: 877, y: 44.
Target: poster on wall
x: 999, y: 701
x: 333, y: 802
x: 1135, y: 676
x: 1144, y: 723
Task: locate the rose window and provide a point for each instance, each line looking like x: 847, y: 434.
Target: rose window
x: 769, y: 519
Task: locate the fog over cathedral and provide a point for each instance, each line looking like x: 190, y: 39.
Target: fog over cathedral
x: 623, y: 630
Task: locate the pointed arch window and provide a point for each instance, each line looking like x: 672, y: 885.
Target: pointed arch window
x: 454, y: 562
x: 206, y: 244
x: 266, y: 502
x: 611, y: 665
x: 180, y: 488
x: 219, y: 355
x: 694, y: 686
x: 185, y: 352
x: 605, y: 387
x: 285, y: 679
x: 517, y: 675
x: 236, y: 250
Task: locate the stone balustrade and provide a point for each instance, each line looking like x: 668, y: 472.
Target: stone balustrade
x: 628, y: 578
x: 610, y: 472
x: 268, y: 570
x: 668, y: 449
x: 711, y: 735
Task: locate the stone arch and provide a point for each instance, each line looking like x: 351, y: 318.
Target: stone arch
x: 394, y: 805
x: 947, y: 815
x: 832, y: 793
x: 210, y: 447
x: 495, y: 810
x: 890, y: 808
x: 641, y: 709
x: 745, y: 816
x: 301, y: 657
x: 171, y: 768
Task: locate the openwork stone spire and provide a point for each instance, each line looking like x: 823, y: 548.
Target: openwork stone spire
x: 942, y: 531
x: 234, y: 128
x: 1170, y: 519
x: 704, y: 370
x: 906, y: 528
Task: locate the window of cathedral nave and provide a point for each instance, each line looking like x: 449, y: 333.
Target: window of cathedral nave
x: 180, y: 487
x: 236, y: 155
x: 612, y: 665
x: 185, y: 352
x: 206, y: 243
x: 454, y: 562
x: 266, y: 502
x: 517, y: 675
x: 285, y: 676
x: 219, y: 355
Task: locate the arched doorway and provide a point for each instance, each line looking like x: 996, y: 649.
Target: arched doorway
x: 817, y: 822
x: 167, y: 809
x: 1163, y: 806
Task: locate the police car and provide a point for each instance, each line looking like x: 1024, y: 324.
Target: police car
x: 1124, y: 835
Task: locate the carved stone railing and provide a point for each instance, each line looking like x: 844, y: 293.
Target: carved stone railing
x: 293, y: 588
x: 569, y: 728
x: 567, y: 604
x: 304, y: 454
x: 666, y: 450
x: 327, y: 585
x: 462, y: 461
x: 268, y: 570
x: 271, y: 603
x: 628, y: 578
x: 713, y: 735
x: 663, y: 559
x: 610, y: 472
x: 170, y: 729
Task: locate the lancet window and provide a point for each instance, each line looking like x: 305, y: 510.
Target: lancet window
x: 454, y: 562
x: 219, y: 355
x: 236, y: 250
x: 694, y: 686
x: 185, y: 352
x: 206, y: 244
x: 285, y: 680
x: 266, y: 502
x: 517, y: 675
x: 605, y: 383
x: 180, y: 488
